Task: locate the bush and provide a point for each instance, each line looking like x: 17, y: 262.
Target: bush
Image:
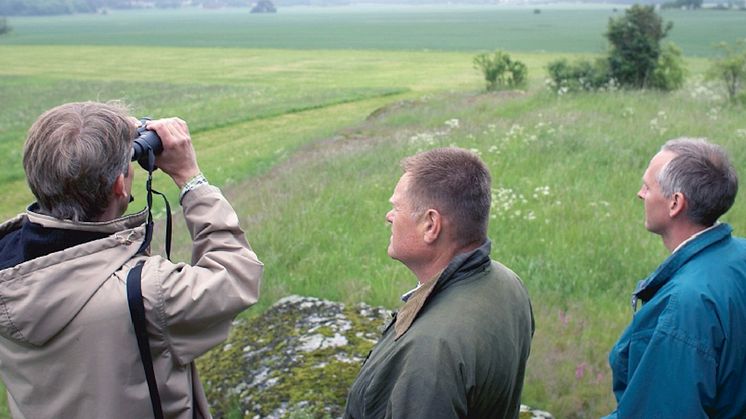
x: 4, y: 27
x: 635, y: 46
x: 730, y: 68
x: 669, y: 72
x: 500, y: 71
x: 636, y: 59
x: 579, y: 75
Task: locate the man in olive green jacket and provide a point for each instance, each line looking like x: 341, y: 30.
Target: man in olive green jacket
x: 458, y: 346
x: 67, y: 343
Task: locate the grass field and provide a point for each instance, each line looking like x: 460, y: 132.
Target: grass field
x: 306, y: 144
x: 441, y: 28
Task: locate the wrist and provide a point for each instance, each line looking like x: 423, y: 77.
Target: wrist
x: 181, y: 179
x: 193, y: 183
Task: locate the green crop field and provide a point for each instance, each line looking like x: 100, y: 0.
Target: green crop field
x: 449, y: 28
x: 302, y: 117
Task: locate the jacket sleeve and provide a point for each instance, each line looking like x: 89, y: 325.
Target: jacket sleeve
x: 430, y: 383
x: 676, y: 372
x: 195, y: 304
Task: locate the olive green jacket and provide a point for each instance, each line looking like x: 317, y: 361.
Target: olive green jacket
x: 67, y: 344
x: 456, y: 349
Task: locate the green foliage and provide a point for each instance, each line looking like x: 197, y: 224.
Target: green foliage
x: 635, y: 46
x: 4, y: 27
x: 730, y: 68
x: 579, y: 75
x: 500, y: 71
x: 636, y: 59
x: 669, y: 72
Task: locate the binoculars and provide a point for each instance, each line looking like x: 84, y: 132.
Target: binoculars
x: 146, y: 140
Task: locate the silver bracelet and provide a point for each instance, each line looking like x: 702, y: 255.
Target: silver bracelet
x: 193, y: 183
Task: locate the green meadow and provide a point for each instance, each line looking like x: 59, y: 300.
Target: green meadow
x: 302, y: 117
x: 555, y: 28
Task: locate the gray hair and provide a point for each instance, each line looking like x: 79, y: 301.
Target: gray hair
x: 703, y: 172
x: 74, y: 153
x: 455, y: 182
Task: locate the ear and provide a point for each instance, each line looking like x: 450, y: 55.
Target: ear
x: 677, y: 205
x: 432, y: 224
x: 117, y: 189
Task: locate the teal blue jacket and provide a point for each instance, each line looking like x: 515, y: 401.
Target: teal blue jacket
x: 684, y: 354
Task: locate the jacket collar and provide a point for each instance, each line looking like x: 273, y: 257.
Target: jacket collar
x: 647, y: 288
x: 107, y: 227
x: 462, y: 266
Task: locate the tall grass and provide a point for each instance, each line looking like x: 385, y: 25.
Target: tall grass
x: 565, y: 216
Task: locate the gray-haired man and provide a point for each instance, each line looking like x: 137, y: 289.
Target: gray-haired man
x: 684, y: 353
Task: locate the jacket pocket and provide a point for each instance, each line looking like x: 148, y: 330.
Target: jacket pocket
x: 638, y: 344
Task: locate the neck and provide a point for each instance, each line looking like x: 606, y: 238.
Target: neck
x: 112, y: 211
x: 439, y: 261
x: 680, y: 234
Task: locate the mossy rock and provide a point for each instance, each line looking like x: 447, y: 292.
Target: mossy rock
x: 299, y: 358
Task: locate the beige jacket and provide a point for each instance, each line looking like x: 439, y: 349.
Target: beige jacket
x: 67, y: 344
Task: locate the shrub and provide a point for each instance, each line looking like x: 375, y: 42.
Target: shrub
x: 669, y: 72
x: 579, y: 75
x: 730, y: 68
x: 636, y: 59
x: 635, y: 46
x: 4, y: 27
x: 500, y: 71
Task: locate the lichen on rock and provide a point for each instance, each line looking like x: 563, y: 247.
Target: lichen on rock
x: 299, y: 357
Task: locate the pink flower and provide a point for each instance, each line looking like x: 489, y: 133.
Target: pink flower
x: 580, y: 370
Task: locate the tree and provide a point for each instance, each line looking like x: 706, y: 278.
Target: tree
x: 500, y: 70
x: 264, y: 6
x: 4, y: 27
x: 730, y: 67
x: 635, y: 45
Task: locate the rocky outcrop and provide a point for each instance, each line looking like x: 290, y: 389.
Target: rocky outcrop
x: 297, y: 360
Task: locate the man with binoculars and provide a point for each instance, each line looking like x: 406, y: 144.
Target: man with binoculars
x: 68, y: 347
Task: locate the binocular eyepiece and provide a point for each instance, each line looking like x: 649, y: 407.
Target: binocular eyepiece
x: 146, y: 140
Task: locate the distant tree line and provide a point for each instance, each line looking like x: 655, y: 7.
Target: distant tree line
x: 683, y: 4
x: 58, y: 7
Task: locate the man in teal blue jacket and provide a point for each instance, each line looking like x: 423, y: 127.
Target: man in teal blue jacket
x: 684, y: 354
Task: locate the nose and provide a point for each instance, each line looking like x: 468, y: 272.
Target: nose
x: 640, y: 193
x: 390, y: 217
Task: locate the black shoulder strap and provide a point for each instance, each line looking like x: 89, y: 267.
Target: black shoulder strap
x: 137, y: 312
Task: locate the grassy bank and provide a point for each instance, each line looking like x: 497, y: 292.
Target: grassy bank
x: 565, y: 215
